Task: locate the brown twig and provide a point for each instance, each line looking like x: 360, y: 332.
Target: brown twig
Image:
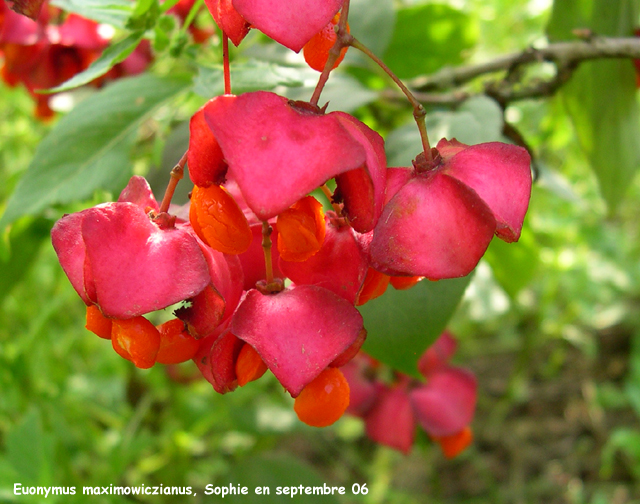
x: 565, y: 55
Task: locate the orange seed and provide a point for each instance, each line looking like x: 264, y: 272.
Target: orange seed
x: 324, y: 400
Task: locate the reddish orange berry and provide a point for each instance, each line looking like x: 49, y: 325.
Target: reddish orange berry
x: 324, y: 400
x: 218, y: 220
x: 136, y: 340
x: 375, y: 284
x: 249, y: 365
x: 97, y: 323
x: 456, y: 443
x: 403, y: 283
x: 301, y: 230
x: 316, y: 51
x: 176, y: 344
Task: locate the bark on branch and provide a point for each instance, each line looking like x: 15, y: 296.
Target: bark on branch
x: 565, y: 55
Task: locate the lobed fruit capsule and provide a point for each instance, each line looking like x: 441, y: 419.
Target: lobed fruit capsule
x: 316, y: 51
x: 324, y: 400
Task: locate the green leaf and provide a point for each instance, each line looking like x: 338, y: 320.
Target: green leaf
x: 514, y: 265
x: 273, y: 471
x: 372, y: 23
x: 601, y: 96
x: 402, y: 324
x: 113, y: 12
x: 25, y: 240
x: 245, y: 77
x: 428, y: 37
x: 88, y: 148
x: 27, y: 449
x: 111, y: 56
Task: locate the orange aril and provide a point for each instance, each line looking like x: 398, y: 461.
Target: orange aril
x: 324, y: 400
x: 176, y: 344
x: 456, y: 443
x: 301, y: 230
x: 97, y: 323
x: 316, y: 51
x: 249, y: 365
x: 136, y: 340
x: 218, y: 220
x: 375, y: 284
x: 403, y: 283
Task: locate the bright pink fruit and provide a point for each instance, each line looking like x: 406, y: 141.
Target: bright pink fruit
x: 298, y: 332
x: 292, y: 23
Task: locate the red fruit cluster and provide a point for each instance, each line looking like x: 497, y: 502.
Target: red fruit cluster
x: 443, y: 405
x: 268, y: 279
x: 49, y: 50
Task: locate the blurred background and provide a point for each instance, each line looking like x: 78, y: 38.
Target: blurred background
x: 550, y: 325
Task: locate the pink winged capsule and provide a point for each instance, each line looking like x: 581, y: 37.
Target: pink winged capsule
x: 339, y: 266
x: 292, y: 23
x: 446, y: 403
x: 228, y: 19
x: 434, y: 226
x: 439, y: 221
x: 501, y: 175
x: 278, y: 151
x: 297, y: 332
x: 390, y: 421
x: 116, y: 257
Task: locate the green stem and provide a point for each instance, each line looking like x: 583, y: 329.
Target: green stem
x: 419, y: 112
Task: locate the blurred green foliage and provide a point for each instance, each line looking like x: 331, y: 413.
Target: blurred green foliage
x: 73, y: 413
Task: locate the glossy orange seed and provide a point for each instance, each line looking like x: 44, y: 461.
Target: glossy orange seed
x: 249, y: 366
x: 455, y: 444
x: 97, y: 323
x: 218, y: 220
x: 136, y: 340
x: 176, y: 344
x: 403, y: 283
x: 324, y: 400
x: 316, y: 51
x: 301, y: 230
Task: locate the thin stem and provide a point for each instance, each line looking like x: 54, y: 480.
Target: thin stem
x: 266, y: 247
x: 419, y: 112
x: 327, y: 192
x: 176, y: 175
x: 343, y: 40
x: 225, y: 63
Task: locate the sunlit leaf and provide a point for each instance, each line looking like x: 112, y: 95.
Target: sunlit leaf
x: 427, y: 37
x: 113, y: 12
x: 601, y: 96
x: 88, y: 148
x: 111, y: 56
